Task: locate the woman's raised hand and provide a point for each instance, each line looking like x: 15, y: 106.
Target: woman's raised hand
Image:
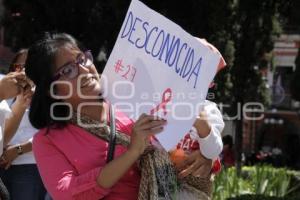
x: 24, y: 98
x: 11, y: 85
x: 144, y: 127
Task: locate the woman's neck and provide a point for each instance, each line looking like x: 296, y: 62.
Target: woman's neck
x: 96, y: 112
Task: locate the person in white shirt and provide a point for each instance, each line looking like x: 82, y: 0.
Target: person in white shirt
x: 4, y: 112
x: 10, y: 86
x: 19, y: 171
x: 205, y: 135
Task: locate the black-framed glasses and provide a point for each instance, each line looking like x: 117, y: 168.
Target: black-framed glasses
x: 71, y: 70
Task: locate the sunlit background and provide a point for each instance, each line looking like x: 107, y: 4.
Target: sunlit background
x: 260, y: 41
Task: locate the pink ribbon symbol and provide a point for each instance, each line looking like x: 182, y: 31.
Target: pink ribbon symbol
x: 166, y: 97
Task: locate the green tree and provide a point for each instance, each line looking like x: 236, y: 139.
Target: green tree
x: 258, y: 25
x: 243, y: 31
x: 95, y: 23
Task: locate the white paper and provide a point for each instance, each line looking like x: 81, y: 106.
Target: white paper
x: 157, y: 66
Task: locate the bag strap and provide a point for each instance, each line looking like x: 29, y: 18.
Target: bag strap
x: 112, y: 138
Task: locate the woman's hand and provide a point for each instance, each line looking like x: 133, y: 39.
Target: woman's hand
x: 18, y: 109
x: 8, y: 156
x: 202, y: 125
x: 195, y: 164
x: 144, y: 127
x: 12, y: 84
x: 23, y: 100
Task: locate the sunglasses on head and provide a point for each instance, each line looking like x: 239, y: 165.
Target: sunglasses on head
x: 71, y: 70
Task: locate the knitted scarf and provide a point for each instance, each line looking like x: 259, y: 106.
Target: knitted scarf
x: 158, y: 175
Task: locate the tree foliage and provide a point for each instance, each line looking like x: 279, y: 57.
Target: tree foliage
x: 95, y: 23
x: 243, y: 30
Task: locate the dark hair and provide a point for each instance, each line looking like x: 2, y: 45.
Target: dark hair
x: 227, y: 139
x: 40, y: 69
x: 16, y: 57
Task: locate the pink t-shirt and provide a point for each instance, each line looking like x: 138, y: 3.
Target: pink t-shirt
x: 70, y: 159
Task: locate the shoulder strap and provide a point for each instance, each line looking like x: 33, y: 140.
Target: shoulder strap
x: 112, y: 138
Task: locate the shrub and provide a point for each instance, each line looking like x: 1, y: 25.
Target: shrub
x: 262, y: 197
x: 261, y: 180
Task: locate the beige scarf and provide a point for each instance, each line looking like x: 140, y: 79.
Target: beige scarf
x: 158, y: 175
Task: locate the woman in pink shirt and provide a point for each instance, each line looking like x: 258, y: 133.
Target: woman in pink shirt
x: 72, y: 161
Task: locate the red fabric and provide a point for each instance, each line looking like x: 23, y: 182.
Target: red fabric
x: 70, y: 159
x: 228, y: 158
x: 188, y: 144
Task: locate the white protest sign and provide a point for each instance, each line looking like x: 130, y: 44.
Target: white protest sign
x: 158, y: 68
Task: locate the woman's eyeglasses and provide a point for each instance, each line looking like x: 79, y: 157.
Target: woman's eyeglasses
x: 71, y: 70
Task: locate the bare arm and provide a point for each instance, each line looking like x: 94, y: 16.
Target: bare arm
x: 13, y: 121
x: 11, y: 153
x: 26, y: 146
x: 114, y: 170
x: 18, y: 109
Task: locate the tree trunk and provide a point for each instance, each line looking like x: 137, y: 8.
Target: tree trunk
x: 239, y: 141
